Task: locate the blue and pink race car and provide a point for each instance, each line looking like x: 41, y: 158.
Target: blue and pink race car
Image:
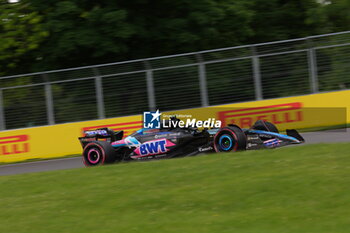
x: 103, y: 146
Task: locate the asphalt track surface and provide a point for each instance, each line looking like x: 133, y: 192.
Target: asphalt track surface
x: 330, y: 136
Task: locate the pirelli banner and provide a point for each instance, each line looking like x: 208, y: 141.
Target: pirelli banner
x: 309, y: 111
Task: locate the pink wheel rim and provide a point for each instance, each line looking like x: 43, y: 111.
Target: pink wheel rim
x: 93, y: 156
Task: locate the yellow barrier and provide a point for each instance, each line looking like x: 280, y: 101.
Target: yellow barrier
x: 315, y: 110
x: 56, y: 140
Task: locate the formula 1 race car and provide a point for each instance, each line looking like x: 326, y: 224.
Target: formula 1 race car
x: 104, y: 146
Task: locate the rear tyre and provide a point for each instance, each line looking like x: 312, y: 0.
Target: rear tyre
x: 230, y: 138
x: 266, y: 126
x: 98, y: 153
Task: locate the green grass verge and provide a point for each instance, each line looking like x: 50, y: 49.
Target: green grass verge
x: 296, y: 189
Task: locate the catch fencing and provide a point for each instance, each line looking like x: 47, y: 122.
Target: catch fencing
x: 243, y: 73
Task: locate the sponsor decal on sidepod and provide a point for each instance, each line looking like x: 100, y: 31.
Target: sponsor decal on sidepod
x: 153, y: 148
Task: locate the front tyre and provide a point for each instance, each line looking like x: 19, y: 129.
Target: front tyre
x: 98, y: 153
x: 230, y: 138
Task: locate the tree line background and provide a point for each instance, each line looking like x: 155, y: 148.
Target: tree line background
x: 38, y: 35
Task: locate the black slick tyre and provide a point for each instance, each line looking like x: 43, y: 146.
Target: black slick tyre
x: 98, y: 153
x: 230, y: 138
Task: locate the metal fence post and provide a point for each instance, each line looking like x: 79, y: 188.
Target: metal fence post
x: 99, y: 94
x: 311, y: 54
x: 2, y: 113
x: 49, y: 101
x: 256, y: 75
x: 150, y: 87
x: 202, y: 81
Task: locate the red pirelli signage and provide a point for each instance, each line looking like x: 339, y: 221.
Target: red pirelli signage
x: 12, y: 145
x: 277, y: 114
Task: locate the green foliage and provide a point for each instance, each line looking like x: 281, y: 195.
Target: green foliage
x: 82, y: 33
x: 334, y: 74
x: 86, y: 32
x: 280, y: 20
x: 230, y: 81
x: 167, y: 27
x: 38, y: 35
x: 74, y: 101
x: 21, y: 32
x: 337, y: 14
x: 25, y: 107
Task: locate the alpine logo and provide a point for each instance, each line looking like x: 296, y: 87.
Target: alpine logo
x: 153, y: 148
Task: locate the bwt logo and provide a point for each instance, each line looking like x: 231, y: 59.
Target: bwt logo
x: 151, y: 120
x: 14, y: 145
x: 153, y: 148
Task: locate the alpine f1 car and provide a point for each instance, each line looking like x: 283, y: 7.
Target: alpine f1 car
x: 104, y: 146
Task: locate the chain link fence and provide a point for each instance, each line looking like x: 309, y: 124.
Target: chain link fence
x: 243, y: 73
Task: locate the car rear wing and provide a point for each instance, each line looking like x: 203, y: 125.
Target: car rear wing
x: 101, y: 134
